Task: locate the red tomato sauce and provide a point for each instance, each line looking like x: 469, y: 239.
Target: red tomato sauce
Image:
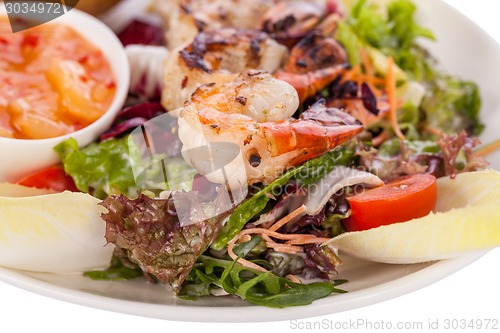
x: 52, y: 82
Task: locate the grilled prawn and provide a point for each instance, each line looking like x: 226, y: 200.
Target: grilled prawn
x: 254, y: 113
x: 184, y: 19
x: 218, y: 56
x: 313, y: 64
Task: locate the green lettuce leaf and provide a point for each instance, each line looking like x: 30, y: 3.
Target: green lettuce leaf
x: 392, y: 31
x: 107, y: 168
x: 101, y: 169
x: 453, y: 105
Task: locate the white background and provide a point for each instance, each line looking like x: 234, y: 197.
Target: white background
x: 471, y: 293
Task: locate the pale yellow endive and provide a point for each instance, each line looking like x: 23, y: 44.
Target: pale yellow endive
x: 56, y: 233
x: 466, y: 219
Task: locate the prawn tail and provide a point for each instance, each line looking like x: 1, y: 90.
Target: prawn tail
x: 311, y: 83
x: 319, y: 130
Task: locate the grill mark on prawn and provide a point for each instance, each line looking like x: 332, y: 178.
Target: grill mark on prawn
x: 248, y: 139
x: 242, y: 100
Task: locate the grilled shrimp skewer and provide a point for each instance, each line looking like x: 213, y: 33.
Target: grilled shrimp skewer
x: 184, y: 19
x: 313, y: 64
x: 254, y: 113
x: 284, y: 19
x: 217, y: 56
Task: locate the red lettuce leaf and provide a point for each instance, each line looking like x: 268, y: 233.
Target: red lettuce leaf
x: 141, y: 32
x: 149, y: 230
x: 132, y: 117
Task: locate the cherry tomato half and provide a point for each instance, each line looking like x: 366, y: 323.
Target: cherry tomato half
x: 400, y: 200
x: 53, y: 178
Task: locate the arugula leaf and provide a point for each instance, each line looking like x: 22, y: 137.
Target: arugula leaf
x: 242, y: 250
x: 116, y: 271
x: 253, y: 286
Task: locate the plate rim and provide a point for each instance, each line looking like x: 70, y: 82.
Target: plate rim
x: 239, y: 314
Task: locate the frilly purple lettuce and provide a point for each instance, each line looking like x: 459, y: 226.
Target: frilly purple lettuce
x: 149, y: 231
x: 141, y: 32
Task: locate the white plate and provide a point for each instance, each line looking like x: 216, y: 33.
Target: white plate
x: 463, y: 49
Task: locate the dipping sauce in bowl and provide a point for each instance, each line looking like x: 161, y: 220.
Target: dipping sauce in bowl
x: 64, y: 79
x: 52, y: 83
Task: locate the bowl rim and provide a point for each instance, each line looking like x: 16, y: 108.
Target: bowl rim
x: 76, y: 18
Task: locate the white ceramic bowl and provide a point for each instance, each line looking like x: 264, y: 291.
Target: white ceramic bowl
x: 20, y: 157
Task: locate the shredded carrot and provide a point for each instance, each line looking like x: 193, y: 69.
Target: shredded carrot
x: 352, y: 73
x: 285, y: 248
x: 308, y: 240
x: 293, y: 241
x: 288, y: 248
x: 391, y: 94
x: 355, y: 74
x: 266, y: 238
x: 488, y: 148
x: 433, y: 130
x: 381, y: 138
x: 273, y: 234
x: 288, y: 218
x: 245, y: 238
x: 372, y: 80
x: 242, y: 261
x: 293, y: 278
x: 366, y: 61
x: 278, y: 247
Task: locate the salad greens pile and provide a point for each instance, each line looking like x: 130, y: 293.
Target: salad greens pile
x: 432, y: 98
x: 392, y: 32
x: 305, y: 174
x: 194, y: 260
x: 256, y: 287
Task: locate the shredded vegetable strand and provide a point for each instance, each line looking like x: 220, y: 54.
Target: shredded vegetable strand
x: 308, y: 240
x: 391, y: 95
x: 293, y: 278
x: 433, y: 130
x: 299, y: 211
x: 381, y: 138
x: 372, y: 81
x: 367, y: 64
x: 270, y: 243
x: 352, y: 73
x: 488, y: 148
x: 274, y: 234
x: 242, y: 261
x: 291, y: 246
x: 285, y: 248
x: 267, y: 239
